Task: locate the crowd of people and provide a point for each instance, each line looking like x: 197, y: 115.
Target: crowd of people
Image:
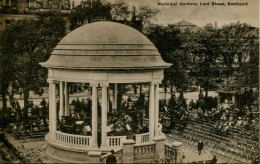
x: 120, y: 122
x: 176, y: 114
x: 26, y: 123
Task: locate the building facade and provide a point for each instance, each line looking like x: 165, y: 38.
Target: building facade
x: 24, y: 9
x: 34, y: 6
x: 183, y: 25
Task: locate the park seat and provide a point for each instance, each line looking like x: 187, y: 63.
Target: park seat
x: 239, y: 154
x: 229, y: 151
x: 243, y: 155
x: 233, y: 152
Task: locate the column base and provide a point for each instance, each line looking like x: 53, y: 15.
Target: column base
x: 94, y: 146
x: 103, y: 147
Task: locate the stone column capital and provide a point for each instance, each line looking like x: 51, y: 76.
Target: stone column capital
x: 104, y: 84
x: 157, y: 82
x: 51, y: 81
x: 93, y: 84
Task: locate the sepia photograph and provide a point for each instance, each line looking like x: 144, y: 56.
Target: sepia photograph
x: 129, y: 81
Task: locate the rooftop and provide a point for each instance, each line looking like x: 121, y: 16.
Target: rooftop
x: 105, y: 45
x: 184, y: 23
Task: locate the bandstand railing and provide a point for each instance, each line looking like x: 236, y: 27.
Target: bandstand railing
x: 169, y: 152
x: 118, y: 154
x: 160, y: 133
x: 142, y: 138
x: 144, y: 151
x: 115, y: 141
x: 78, y: 140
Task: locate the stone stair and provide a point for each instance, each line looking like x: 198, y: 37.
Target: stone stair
x: 235, y: 147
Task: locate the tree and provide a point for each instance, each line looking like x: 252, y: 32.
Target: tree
x: 167, y: 41
x: 92, y: 12
x: 202, y: 51
x: 137, y: 18
x: 237, y: 42
x: 120, y: 11
x: 7, y: 63
x: 216, y: 54
x: 240, y: 55
x: 31, y: 42
x: 247, y: 74
x: 172, y: 108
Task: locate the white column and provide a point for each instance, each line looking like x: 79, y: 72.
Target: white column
x: 67, y: 104
x: 218, y: 99
x: 156, y: 109
x: 151, y: 112
x: 108, y: 99
x: 113, y: 99
x: 94, y: 127
x: 233, y: 99
x: 52, y: 109
x: 104, y: 114
x: 61, y: 112
x: 115, y: 96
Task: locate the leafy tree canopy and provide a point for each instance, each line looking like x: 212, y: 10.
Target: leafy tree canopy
x: 24, y: 44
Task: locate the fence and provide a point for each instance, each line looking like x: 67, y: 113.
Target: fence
x: 79, y: 140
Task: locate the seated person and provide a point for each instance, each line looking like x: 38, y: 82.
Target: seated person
x: 239, y: 123
x: 225, y: 128
x: 220, y: 126
x: 223, y: 117
x: 206, y: 114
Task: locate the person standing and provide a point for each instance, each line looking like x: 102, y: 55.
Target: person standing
x: 44, y: 104
x: 77, y: 106
x: 111, y: 159
x: 200, y: 146
x: 214, y: 160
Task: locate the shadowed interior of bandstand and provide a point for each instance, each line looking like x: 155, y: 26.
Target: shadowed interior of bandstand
x: 127, y: 118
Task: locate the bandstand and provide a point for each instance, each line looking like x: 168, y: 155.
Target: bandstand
x: 103, y: 54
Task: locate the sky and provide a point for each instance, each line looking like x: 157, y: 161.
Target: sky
x: 201, y: 15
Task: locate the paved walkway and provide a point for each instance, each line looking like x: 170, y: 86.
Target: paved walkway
x: 193, y: 156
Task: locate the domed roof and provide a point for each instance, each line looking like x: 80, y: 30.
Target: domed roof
x: 105, y: 45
